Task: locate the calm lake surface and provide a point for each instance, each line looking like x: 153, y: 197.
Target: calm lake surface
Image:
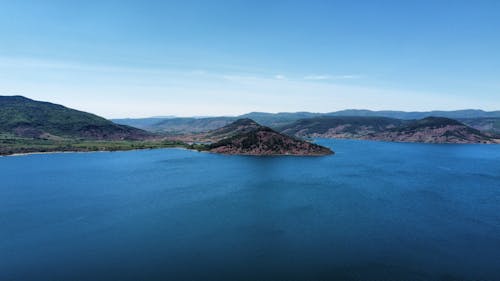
x: 373, y: 211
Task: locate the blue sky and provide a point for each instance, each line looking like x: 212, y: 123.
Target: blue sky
x: 150, y: 58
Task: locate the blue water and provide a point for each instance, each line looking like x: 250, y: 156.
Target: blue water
x: 373, y: 211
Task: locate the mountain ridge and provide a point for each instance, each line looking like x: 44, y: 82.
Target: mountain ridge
x: 182, y: 125
x: 428, y: 130
x: 339, y: 126
x: 433, y: 130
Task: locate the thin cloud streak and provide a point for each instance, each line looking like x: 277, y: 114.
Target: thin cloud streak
x: 331, y: 77
x: 114, y: 91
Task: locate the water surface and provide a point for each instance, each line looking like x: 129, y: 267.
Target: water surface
x: 373, y: 211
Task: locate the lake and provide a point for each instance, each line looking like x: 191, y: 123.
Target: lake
x: 373, y: 211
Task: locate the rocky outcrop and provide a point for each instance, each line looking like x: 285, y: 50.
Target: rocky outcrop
x: 246, y: 137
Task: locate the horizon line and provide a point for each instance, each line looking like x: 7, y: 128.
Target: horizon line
x: 167, y: 116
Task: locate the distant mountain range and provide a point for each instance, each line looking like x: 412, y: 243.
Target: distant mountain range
x: 189, y: 125
x: 454, y: 114
x: 484, y: 124
x: 181, y: 125
x: 482, y: 120
x: 142, y: 123
x: 428, y: 130
x: 339, y: 126
x: 432, y: 130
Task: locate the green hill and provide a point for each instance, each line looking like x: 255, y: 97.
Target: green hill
x: 23, y: 117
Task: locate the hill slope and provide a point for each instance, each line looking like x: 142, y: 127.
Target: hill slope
x: 141, y: 123
x: 278, y: 120
x: 487, y: 125
x: 412, y: 115
x: 23, y: 117
x: 275, y: 120
x: 189, y: 125
x: 246, y: 137
x: 432, y: 130
x: 240, y: 126
x: 339, y: 127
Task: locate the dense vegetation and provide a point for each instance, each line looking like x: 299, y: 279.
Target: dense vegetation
x: 33, y: 126
x: 14, y: 145
x: 237, y: 127
x: 24, y: 117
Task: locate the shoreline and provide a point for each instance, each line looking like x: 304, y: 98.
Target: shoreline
x: 235, y: 154
x: 183, y: 148
x: 495, y: 141
x: 89, y: 151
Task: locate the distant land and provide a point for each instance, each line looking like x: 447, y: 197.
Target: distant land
x: 488, y: 121
x: 345, y: 127
x: 432, y: 130
x: 426, y: 130
x: 28, y: 126
x: 142, y: 123
x: 33, y: 126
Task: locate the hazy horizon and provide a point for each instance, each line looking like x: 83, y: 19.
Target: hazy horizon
x: 213, y: 116
x: 139, y: 59
x: 268, y: 112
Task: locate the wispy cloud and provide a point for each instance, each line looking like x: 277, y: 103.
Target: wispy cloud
x: 317, y: 77
x: 74, y: 66
x: 152, y: 90
x: 235, y: 77
x: 330, y: 77
x: 346, y: 77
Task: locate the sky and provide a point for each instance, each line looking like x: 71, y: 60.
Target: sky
x: 207, y: 58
